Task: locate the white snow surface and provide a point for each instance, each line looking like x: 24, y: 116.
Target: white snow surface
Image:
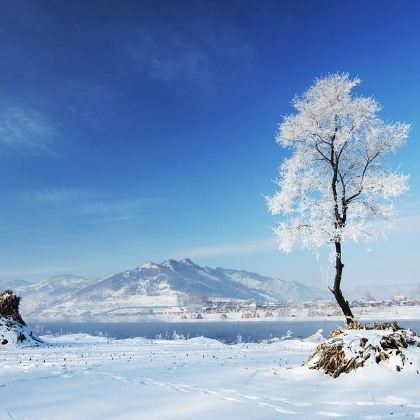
x: 14, y: 334
x: 84, y: 377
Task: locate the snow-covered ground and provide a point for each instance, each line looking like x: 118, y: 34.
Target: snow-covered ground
x: 85, y: 377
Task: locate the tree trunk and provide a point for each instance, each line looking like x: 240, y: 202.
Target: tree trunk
x: 344, y: 304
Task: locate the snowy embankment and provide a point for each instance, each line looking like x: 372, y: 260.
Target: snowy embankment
x: 85, y: 377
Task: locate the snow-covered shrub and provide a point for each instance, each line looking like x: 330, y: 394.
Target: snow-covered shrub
x: 13, y: 329
x: 358, y: 345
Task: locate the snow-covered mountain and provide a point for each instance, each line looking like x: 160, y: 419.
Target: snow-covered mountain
x: 275, y: 289
x: 13, y: 284
x: 186, y: 278
x: 40, y: 295
x: 169, y: 284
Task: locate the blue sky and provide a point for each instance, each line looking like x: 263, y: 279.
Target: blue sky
x: 138, y: 131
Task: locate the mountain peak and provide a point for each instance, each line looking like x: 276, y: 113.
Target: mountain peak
x: 187, y: 261
x: 169, y: 263
x: 149, y: 265
x: 173, y: 264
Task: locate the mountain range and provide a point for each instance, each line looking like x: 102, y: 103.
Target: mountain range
x: 141, y: 290
x: 387, y: 291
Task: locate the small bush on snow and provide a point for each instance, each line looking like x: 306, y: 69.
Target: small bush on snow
x: 357, y: 345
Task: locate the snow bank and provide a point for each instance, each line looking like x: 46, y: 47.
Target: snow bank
x: 316, y: 338
x: 14, y: 334
x: 74, y: 338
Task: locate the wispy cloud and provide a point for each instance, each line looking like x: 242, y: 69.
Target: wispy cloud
x: 25, y: 128
x: 403, y: 225
x: 38, y: 272
x: 10, y: 227
x: 176, y: 60
x: 88, y: 205
x: 184, y: 61
x: 112, y: 211
x: 113, y: 207
x: 237, y: 248
x: 92, y: 103
x: 58, y: 195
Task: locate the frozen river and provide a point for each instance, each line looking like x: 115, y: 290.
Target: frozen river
x: 225, y: 331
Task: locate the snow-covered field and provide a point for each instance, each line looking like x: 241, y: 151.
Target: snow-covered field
x: 86, y: 377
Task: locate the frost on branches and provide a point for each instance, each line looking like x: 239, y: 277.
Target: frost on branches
x: 336, y: 185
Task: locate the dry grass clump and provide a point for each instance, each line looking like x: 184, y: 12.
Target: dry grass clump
x: 9, y: 306
x: 351, y: 347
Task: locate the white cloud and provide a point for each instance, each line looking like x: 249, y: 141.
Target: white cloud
x: 57, y: 195
x: 116, y: 210
x: 9, y: 227
x: 114, y: 206
x: 238, y: 248
x: 34, y: 273
x: 89, y: 206
x: 25, y: 128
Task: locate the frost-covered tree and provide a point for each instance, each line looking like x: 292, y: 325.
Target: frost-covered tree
x: 336, y: 186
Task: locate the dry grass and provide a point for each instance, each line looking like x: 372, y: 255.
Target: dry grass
x: 9, y: 306
x: 345, y: 351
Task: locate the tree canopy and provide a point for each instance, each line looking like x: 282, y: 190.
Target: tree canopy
x: 336, y: 185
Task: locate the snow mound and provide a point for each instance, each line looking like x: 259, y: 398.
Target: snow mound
x: 15, y: 334
x: 13, y: 330
x: 75, y: 338
x: 356, y: 346
x: 315, y: 338
x: 204, y: 341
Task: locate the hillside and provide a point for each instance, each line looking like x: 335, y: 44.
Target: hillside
x: 141, y: 290
x: 387, y: 291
